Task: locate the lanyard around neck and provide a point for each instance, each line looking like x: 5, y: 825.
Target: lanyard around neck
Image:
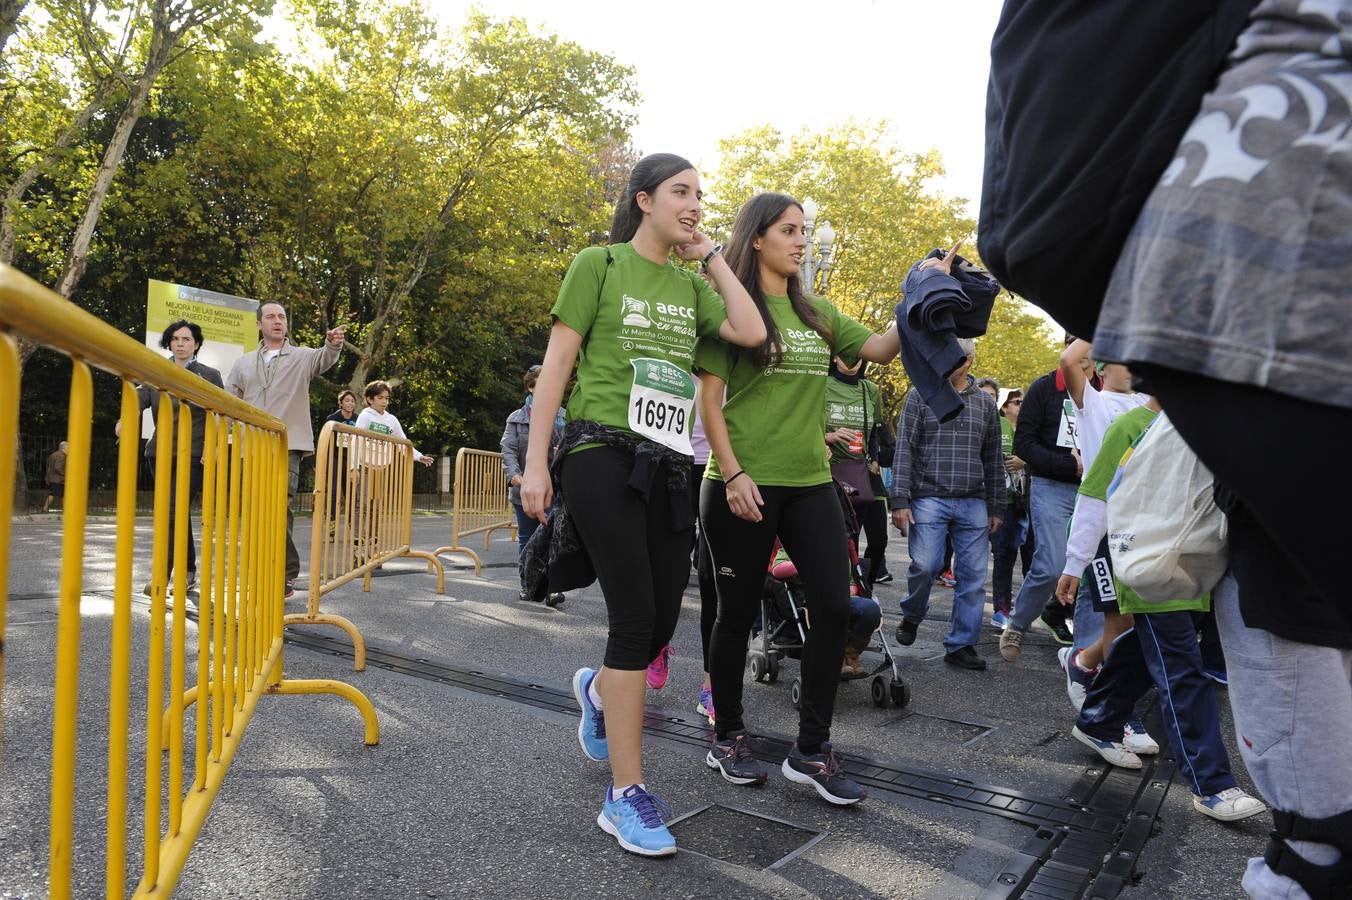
x: 266, y: 374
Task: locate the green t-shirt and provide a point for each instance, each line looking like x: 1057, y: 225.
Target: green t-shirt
x: 1117, y: 442
x: 854, y: 406
x: 1006, y: 437
x: 777, y: 415
x: 629, y: 309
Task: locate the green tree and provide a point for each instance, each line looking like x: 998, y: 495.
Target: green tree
x: 887, y: 214
x: 428, y: 191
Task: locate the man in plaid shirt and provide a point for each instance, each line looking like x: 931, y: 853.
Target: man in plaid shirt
x: 948, y: 480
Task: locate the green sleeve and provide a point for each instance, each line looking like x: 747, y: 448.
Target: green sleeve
x: 713, y: 356
x: 580, y: 296
x: 848, y: 334
x: 1116, y: 442
x: 711, y: 311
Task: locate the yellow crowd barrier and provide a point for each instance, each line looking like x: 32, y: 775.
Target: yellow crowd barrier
x: 363, y: 518
x: 481, y: 504
x: 238, y: 644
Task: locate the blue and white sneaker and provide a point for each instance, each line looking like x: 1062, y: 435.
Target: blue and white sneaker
x: 1078, y: 681
x: 637, y: 819
x: 1000, y: 620
x: 591, y: 729
x: 1136, y: 739
x: 1229, y: 805
x: 1217, y: 675
x: 1112, y: 751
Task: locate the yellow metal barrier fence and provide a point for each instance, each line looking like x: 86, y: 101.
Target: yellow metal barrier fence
x: 239, y: 632
x: 481, y: 504
x: 363, y: 518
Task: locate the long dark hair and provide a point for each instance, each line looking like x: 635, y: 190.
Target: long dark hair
x: 753, y: 220
x: 650, y: 171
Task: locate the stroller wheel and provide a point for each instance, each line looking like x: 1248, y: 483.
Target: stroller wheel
x: 796, y: 693
x: 878, y: 691
x: 901, y: 693
x: 759, y: 665
x: 772, y: 669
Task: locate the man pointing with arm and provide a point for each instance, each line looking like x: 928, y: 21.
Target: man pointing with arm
x: 276, y: 379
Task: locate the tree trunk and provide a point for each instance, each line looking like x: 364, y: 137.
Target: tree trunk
x: 10, y: 10
x: 20, y: 507
x: 76, y: 256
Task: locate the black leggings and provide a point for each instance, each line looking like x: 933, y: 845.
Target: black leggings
x: 704, y: 569
x: 641, y: 562
x: 811, y: 527
x: 873, y: 520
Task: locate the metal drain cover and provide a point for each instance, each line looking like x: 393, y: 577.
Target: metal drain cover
x: 740, y: 837
x: 941, y: 728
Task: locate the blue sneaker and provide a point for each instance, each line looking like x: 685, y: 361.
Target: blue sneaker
x: 591, y: 730
x: 637, y: 819
x: 1000, y: 620
x: 1218, y: 676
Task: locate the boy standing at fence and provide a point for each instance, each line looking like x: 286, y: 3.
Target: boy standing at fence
x: 276, y: 379
x: 375, y: 457
x: 377, y: 417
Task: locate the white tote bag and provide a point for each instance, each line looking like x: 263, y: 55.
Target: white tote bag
x: 1165, y: 532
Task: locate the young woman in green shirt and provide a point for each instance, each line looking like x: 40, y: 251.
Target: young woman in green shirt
x: 629, y: 319
x: 768, y: 477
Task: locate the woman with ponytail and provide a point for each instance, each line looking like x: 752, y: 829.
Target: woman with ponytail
x: 768, y: 477
x: 629, y: 319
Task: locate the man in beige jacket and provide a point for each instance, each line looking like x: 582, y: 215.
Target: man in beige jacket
x: 276, y: 379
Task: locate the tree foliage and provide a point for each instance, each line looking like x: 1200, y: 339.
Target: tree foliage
x: 425, y: 188
x: 887, y: 214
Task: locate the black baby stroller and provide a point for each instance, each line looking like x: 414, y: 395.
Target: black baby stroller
x: 785, y: 620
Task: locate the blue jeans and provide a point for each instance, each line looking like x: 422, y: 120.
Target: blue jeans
x: 965, y: 520
x: 1050, y: 505
x: 865, y: 616
x: 525, y: 527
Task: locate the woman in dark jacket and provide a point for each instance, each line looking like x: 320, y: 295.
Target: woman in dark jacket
x: 515, y: 436
x: 182, y: 339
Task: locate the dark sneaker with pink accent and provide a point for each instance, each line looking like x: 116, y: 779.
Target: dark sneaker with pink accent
x: 732, y: 757
x: 822, y: 771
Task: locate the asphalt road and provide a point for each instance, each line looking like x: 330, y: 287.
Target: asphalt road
x: 474, y: 793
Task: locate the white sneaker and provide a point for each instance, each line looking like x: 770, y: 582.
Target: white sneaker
x: 1111, y: 751
x: 1136, y: 739
x: 1229, y: 805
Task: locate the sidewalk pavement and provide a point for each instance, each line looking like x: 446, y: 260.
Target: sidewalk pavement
x: 471, y: 794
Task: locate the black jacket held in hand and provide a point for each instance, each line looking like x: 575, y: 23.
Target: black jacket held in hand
x: 1039, y: 424
x: 1085, y: 107
x: 937, y: 309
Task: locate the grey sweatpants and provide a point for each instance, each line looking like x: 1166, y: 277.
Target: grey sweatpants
x: 1292, y: 704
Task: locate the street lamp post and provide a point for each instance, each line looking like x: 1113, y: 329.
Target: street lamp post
x: 820, y: 241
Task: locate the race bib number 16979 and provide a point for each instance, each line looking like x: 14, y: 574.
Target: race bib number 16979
x: 662, y: 403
